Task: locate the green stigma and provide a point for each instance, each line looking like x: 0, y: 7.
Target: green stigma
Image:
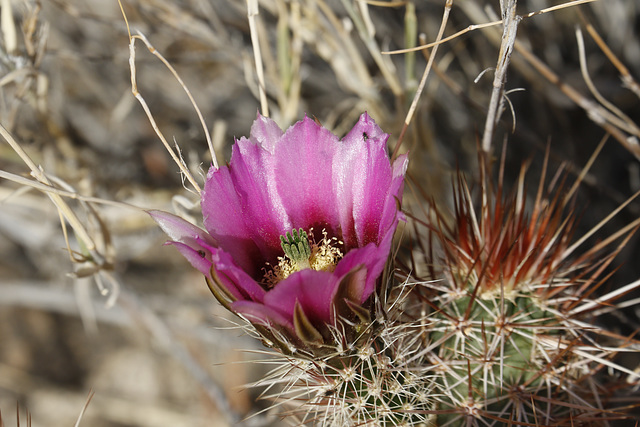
x: 302, y: 251
x: 296, y: 247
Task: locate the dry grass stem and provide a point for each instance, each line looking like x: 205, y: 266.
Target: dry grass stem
x: 475, y: 27
x: 48, y: 188
x: 627, y: 78
x: 84, y: 408
x: 509, y: 301
x: 134, y: 89
x: 57, y: 200
x: 252, y: 14
x: 604, y: 118
x: 624, y: 122
x: 423, y: 80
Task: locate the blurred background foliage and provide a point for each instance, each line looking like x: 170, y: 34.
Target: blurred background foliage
x: 149, y: 340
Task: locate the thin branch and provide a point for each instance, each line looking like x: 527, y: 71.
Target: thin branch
x: 511, y: 21
x: 134, y: 89
x: 84, y: 408
x: 145, y: 107
x: 184, y: 87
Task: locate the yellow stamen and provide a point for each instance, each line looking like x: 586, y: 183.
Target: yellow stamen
x: 324, y: 255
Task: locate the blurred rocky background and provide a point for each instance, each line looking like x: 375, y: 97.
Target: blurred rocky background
x: 140, y: 333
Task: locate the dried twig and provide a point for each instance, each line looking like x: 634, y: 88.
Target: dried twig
x: 84, y: 408
x: 134, y: 89
x: 511, y: 21
x: 49, y: 189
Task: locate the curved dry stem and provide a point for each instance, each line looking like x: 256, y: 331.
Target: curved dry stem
x: 134, y: 89
x: 57, y: 200
x: 626, y: 76
x: 624, y: 121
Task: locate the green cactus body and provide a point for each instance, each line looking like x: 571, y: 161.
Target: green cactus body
x: 487, y: 348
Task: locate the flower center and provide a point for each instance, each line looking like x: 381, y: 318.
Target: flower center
x: 296, y: 247
x: 301, y: 252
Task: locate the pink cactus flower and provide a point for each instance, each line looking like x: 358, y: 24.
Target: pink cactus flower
x: 299, y: 228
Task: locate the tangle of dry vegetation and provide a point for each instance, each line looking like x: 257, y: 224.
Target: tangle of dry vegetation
x: 116, y: 313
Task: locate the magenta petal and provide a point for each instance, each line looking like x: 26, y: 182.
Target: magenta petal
x: 366, y: 129
x: 228, y: 210
x: 238, y: 283
x: 304, y: 175
x: 198, y: 257
x: 241, y: 200
x: 199, y: 249
x: 235, y: 279
x: 390, y: 214
x: 254, y: 173
x: 265, y: 132
x: 313, y: 290
x: 262, y: 315
x: 178, y: 229
x: 362, y: 176
x: 373, y: 258
x: 187, y: 238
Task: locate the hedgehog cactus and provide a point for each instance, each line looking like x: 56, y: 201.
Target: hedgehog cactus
x: 509, y: 327
x: 499, y: 333
x: 502, y: 335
